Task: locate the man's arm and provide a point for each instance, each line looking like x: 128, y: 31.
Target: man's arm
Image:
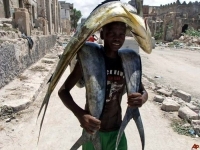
x: 64, y: 91
x: 88, y: 122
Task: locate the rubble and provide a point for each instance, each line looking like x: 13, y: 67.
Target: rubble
x: 158, y: 98
x: 196, y: 126
x: 187, y: 113
x: 170, y: 105
x: 185, y: 41
x: 164, y: 92
x: 183, y: 95
x: 187, y: 108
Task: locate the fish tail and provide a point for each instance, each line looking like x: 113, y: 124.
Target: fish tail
x: 86, y: 137
x: 135, y: 114
x: 79, y: 142
x: 128, y: 116
x: 138, y: 122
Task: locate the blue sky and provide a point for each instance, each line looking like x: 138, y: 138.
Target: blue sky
x: 86, y: 6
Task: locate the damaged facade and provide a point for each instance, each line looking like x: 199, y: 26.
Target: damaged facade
x: 169, y: 21
x: 65, y: 13
x: 34, y: 16
x: 28, y: 31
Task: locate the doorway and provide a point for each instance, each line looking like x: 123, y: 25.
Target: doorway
x: 184, y: 28
x: 6, y: 4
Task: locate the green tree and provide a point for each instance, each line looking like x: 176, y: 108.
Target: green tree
x: 75, y: 16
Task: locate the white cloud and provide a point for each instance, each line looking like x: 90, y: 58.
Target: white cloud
x: 86, y: 6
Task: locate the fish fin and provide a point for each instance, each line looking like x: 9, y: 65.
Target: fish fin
x: 44, y: 103
x: 128, y: 116
x: 50, y: 79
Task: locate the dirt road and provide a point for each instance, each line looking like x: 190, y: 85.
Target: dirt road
x: 178, y: 68
x: 61, y: 128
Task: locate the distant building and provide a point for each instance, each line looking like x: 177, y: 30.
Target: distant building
x: 65, y: 16
x: 28, y: 15
x: 171, y: 20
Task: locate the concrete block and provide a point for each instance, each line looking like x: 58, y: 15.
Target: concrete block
x: 187, y: 113
x: 170, y: 105
x: 164, y: 92
x: 193, y: 107
x: 158, y: 98
x: 183, y: 95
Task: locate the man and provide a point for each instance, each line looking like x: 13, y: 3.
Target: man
x: 109, y: 123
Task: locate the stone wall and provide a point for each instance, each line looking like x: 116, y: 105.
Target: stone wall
x: 16, y: 56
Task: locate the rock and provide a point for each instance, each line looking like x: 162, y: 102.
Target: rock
x: 8, y: 120
x: 157, y: 77
x: 179, y: 101
x: 181, y: 38
x: 7, y: 25
x: 193, y: 107
x: 164, y: 92
x: 195, y: 102
x: 195, y: 40
x: 158, y: 86
x: 187, y: 113
x: 186, y: 125
x: 183, y: 95
x: 196, y: 126
x: 158, y: 98
x: 170, y: 105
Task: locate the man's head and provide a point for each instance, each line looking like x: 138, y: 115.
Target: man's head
x: 113, y: 35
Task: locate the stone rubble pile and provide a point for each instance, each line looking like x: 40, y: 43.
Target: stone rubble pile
x: 8, y: 35
x: 187, y: 42
x: 175, y: 100
x: 190, y: 40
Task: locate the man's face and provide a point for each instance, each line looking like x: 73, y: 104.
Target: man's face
x: 114, y: 36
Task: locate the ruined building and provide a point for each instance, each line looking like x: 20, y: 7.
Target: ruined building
x: 169, y: 21
x: 65, y: 16
x: 45, y: 16
x: 28, y: 31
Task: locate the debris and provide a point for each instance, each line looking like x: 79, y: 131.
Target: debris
x: 8, y: 120
x: 191, y: 131
x: 157, y: 77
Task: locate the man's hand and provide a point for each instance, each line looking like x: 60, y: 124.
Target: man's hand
x: 135, y: 100
x: 89, y: 123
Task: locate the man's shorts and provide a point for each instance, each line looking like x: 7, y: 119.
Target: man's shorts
x: 108, y: 141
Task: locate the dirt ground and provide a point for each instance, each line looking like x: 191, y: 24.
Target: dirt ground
x: 176, y: 68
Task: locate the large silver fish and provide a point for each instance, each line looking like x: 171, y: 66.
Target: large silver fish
x: 109, y: 12
x: 94, y: 73
x: 133, y: 73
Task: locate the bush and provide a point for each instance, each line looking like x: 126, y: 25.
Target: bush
x: 158, y: 35
x: 192, y: 32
